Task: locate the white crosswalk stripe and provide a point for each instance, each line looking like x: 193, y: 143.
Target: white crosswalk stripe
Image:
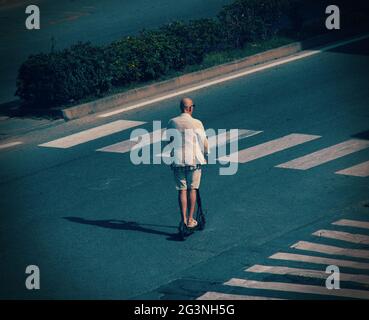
x: 320, y: 260
x: 299, y: 288
x: 223, y: 138
x: 344, y: 236
x: 127, y: 145
x: 333, y: 250
x: 211, y: 295
x: 92, y: 134
x: 267, y: 148
x: 359, y: 170
x: 352, y: 223
x: 325, y: 155
x: 309, y: 273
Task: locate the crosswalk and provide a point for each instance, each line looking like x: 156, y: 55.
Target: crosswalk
x: 352, y: 223
x: 226, y: 296
x: 320, y: 260
x: 222, y: 139
x: 359, y: 170
x: 325, y: 155
x: 91, y: 134
x: 300, y: 288
x: 331, y: 250
x: 276, y: 281
x: 128, y: 145
x: 270, y: 147
x: 309, y: 273
x: 344, y: 236
x: 243, y: 156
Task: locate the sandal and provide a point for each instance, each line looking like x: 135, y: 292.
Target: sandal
x: 192, y: 223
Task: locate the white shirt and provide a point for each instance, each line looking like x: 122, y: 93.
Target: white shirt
x: 192, y: 144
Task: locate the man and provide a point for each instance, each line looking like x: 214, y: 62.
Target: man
x: 188, y: 157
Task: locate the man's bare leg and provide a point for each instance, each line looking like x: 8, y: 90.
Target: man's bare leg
x: 192, y: 196
x: 182, y: 199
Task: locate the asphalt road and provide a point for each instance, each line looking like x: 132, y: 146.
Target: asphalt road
x: 68, y: 22
x: 98, y: 226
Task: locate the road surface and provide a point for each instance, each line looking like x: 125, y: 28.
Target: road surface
x: 98, y: 226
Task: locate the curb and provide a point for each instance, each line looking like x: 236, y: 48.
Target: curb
x: 197, y: 77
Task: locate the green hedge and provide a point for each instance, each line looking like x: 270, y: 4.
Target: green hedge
x: 251, y: 20
x: 85, y: 71
x: 47, y: 80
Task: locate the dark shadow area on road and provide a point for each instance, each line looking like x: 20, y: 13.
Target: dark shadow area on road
x: 357, y: 48
x: 362, y: 135
x: 15, y: 109
x: 127, y: 225
x: 185, y: 289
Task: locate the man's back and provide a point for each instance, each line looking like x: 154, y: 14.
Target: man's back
x: 194, y: 142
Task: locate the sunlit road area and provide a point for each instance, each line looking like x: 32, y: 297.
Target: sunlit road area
x: 98, y: 226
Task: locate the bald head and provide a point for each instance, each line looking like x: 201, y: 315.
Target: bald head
x: 187, y: 105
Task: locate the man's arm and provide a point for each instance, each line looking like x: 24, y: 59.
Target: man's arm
x: 204, y: 140
x: 167, y: 140
x: 170, y: 139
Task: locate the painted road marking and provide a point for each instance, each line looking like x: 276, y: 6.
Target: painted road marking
x: 325, y: 155
x: 344, y: 236
x: 308, y: 273
x: 320, y: 260
x: 10, y: 144
x: 304, y: 54
x: 211, y: 295
x: 267, y: 148
x: 352, y: 223
x: 92, y: 134
x: 322, y: 248
x: 221, y: 139
x: 128, y: 145
x: 360, y: 170
x: 300, y: 288
x: 224, y: 137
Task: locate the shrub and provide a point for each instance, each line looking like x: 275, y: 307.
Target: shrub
x: 193, y: 40
x: 145, y: 57
x: 56, y: 78
x: 250, y: 20
x: 179, y: 35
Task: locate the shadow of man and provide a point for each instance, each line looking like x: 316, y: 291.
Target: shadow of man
x: 126, y: 225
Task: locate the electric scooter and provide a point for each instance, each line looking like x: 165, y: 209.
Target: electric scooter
x: 183, y: 230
